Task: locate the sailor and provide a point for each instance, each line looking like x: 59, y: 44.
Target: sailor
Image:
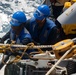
x: 42, y: 29
x: 18, y: 32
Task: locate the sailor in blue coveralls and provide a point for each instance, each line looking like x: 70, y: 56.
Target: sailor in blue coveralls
x: 18, y: 32
x: 20, y: 35
x: 42, y: 29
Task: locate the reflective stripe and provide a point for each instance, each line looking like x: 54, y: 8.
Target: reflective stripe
x: 38, y: 13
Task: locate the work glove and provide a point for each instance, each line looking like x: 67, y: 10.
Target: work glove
x: 26, y: 41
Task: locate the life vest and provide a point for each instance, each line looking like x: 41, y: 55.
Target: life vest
x: 24, y: 34
x: 43, y: 36
x: 68, y: 20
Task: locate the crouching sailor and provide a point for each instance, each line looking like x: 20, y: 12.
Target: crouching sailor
x: 42, y: 29
x: 18, y: 32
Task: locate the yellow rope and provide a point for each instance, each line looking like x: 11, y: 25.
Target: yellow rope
x: 8, y: 47
x: 30, y: 45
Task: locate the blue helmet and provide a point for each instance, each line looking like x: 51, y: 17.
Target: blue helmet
x: 42, y: 12
x: 18, y: 18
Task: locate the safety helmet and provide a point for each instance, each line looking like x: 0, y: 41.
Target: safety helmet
x: 42, y: 12
x: 18, y: 18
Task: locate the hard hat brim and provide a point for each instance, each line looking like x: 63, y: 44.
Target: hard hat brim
x: 14, y: 24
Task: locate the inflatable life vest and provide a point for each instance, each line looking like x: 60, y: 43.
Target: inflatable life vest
x: 24, y: 34
x: 43, y: 36
x: 68, y: 20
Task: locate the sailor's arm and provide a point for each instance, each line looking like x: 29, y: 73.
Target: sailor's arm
x: 27, y: 25
x: 5, y: 37
x: 53, y: 36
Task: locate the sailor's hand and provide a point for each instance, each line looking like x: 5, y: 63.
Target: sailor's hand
x: 13, y: 42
